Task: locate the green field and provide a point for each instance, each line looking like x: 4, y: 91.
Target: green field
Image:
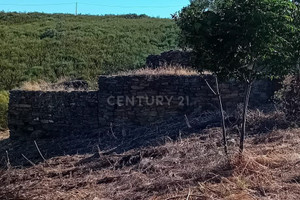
x: 49, y: 46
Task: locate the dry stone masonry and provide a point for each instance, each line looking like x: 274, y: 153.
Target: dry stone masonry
x: 122, y: 100
x: 172, y: 58
x: 40, y: 113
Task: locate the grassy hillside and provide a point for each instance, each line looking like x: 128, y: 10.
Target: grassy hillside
x: 44, y: 46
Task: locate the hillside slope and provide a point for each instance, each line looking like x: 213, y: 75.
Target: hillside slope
x: 49, y: 46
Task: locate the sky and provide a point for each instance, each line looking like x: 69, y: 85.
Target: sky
x: 153, y: 8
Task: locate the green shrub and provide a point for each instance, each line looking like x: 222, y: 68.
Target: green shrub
x: 4, y: 98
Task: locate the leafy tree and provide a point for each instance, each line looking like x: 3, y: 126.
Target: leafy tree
x: 241, y: 39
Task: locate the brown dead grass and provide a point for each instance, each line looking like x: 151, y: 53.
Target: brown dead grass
x: 192, y: 168
x: 267, y: 170
x: 41, y: 85
x: 4, y: 135
x: 166, y: 70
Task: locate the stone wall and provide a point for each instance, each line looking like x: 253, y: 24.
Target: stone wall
x: 52, y: 113
x: 173, y: 58
x: 121, y: 100
x: 145, y: 99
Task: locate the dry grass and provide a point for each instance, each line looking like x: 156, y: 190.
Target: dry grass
x: 166, y: 70
x: 259, y: 122
x: 268, y: 170
x: 4, y: 135
x: 191, y: 168
x: 41, y: 85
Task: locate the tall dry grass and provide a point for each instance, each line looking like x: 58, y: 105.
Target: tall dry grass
x: 41, y: 85
x: 165, y: 70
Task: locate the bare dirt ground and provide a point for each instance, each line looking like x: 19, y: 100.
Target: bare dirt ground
x: 190, y: 168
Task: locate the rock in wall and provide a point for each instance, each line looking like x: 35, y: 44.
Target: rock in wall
x: 173, y: 58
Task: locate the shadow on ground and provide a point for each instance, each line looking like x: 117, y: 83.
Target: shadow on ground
x: 119, y: 139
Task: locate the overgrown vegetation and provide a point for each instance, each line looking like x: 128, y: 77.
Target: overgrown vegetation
x: 49, y: 46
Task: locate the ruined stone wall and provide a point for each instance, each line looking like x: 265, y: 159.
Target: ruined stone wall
x: 121, y: 100
x: 145, y: 99
x: 172, y: 58
x: 43, y: 114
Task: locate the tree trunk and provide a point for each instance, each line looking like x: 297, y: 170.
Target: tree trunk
x: 245, y: 109
x: 223, y: 117
x: 298, y: 68
x: 217, y: 93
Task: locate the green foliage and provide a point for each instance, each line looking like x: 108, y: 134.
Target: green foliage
x: 4, y: 96
x: 242, y: 39
x: 49, y: 46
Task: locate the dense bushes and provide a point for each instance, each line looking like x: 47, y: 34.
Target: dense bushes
x: 3, y: 109
x: 44, y: 46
